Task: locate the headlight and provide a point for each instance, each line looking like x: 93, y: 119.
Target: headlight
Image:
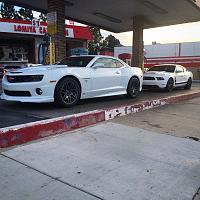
x: 160, y: 78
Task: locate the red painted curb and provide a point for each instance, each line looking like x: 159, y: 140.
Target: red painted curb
x: 20, y: 134
x: 145, y: 105
x: 25, y: 133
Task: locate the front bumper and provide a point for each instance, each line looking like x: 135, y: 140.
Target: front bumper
x: 30, y: 87
x: 154, y: 84
x: 27, y: 99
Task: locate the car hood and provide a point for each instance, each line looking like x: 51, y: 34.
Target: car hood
x: 35, y: 70
x: 152, y: 73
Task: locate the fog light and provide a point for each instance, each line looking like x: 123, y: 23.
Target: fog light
x: 39, y: 91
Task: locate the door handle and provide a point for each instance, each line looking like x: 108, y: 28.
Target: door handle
x: 117, y: 72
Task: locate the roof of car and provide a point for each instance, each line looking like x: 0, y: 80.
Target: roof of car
x: 167, y: 64
x: 98, y: 56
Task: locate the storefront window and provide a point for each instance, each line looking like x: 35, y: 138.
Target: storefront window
x: 15, y: 50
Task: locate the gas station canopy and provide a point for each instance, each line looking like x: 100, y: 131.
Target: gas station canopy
x: 117, y: 15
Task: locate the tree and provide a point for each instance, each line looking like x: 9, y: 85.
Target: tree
x: 8, y: 11
x: 43, y: 17
x: 95, y: 45
x: 110, y: 42
x: 26, y: 14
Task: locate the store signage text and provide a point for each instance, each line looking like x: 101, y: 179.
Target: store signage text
x: 29, y: 29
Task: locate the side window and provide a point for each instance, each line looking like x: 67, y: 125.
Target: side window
x: 179, y: 69
x: 118, y: 63
x: 100, y: 60
x: 108, y: 62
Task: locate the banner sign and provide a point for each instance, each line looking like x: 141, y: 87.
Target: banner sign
x: 36, y: 28
x: 51, y: 21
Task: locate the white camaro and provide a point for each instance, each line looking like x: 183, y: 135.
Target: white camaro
x: 167, y: 76
x: 74, y: 78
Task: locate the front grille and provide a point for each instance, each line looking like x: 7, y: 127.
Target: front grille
x: 17, y: 93
x: 150, y: 87
x: 24, y: 78
x: 148, y: 78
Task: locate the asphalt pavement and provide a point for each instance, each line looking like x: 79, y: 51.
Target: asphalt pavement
x: 14, y: 113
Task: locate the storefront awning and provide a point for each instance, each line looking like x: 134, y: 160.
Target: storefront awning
x: 117, y: 15
x: 27, y: 27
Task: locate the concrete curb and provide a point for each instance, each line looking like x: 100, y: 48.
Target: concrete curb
x: 145, y: 105
x: 20, y: 134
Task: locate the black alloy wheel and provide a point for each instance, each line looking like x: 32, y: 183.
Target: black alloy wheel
x: 67, y: 92
x: 170, y: 85
x: 189, y: 84
x: 133, y: 88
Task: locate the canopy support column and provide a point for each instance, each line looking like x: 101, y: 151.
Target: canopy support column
x: 58, y: 32
x: 138, y: 44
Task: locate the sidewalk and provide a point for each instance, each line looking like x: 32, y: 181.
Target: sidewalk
x: 108, y: 161
x: 181, y: 119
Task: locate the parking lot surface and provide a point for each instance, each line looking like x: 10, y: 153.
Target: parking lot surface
x: 14, y: 113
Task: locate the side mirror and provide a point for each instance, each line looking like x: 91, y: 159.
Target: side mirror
x: 98, y: 65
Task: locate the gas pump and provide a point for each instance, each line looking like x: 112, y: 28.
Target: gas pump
x: 43, y: 47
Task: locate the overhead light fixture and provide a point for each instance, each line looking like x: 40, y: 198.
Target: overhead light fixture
x: 154, y: 7
x: 107, y: 17
x: 68, y: 3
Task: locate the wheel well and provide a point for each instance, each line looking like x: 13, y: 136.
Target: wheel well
x: 68, y: 76
x: 171, y: 79
x: 133, y: 77
x: 130, y: 80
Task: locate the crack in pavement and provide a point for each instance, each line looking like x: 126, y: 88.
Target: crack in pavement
x: 55, y: 178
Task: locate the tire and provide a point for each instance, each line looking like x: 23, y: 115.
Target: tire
x: 189, y: 84
x: 67, y: 92
x: 133, y: 88
x: 170, y: 85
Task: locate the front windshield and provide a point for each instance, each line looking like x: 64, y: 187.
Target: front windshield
x: 79, y: 61
x: 165, y: 68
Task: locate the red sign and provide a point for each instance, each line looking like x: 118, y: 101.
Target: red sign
x: 40, y: 28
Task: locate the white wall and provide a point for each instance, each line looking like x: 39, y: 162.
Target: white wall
x: 164, y: 50
x: 190, y: 49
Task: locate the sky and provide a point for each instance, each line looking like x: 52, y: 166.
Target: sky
x: 189, y: 32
